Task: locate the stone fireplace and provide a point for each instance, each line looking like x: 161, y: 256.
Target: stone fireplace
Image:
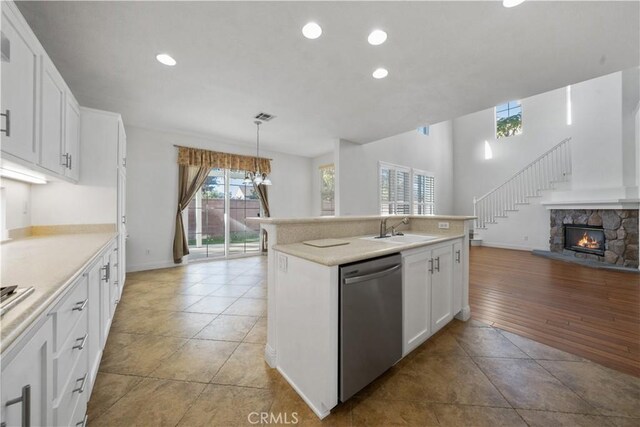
x: 606, y: 235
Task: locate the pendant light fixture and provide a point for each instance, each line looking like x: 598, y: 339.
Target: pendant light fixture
x: 257, y: 177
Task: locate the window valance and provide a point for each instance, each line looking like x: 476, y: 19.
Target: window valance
x: 214, y: 159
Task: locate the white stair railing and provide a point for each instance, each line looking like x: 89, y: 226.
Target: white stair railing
x: 551, y: 167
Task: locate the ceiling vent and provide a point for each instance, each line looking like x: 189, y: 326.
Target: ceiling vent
x: 265, y: 117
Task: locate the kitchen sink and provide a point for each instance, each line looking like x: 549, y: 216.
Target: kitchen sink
x: 399, y: 240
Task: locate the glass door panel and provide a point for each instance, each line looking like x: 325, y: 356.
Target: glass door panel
x: 206, y: 214
x: 243, y: 203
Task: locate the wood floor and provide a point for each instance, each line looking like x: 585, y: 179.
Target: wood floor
x: 589, y: 312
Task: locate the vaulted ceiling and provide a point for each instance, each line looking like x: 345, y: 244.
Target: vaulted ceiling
x: 235, y: 59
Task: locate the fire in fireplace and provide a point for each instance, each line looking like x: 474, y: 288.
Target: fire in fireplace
x: 584, y: 238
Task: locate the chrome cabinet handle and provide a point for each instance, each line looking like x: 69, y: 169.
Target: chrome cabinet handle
x: 25, y: 399
x: 438, y: 264
x: 70, y: 162
x: 81, y: 388
x: 65, y: 162
x: 107, y: 272
x: 82, y: 423
x: 458, y: 256
x: 124, y: 219
x: 80, y: 305
x: 431, y: 266
x: 81, y: 345
x: 371, y: 276
x: 7, y: 128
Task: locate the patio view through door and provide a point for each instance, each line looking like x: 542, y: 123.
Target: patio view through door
x: 216, y: 217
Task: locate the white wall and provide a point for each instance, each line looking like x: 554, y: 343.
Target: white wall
x: 152, y: 186
x: 597, y: 154
x: 17, y: 198
x: 358, y: 167
x: 316, y: 162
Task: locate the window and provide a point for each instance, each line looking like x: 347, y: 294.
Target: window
x: 327, y: 190
x: 423, y: 193
x: 508, y: 119
x: 405, y: 191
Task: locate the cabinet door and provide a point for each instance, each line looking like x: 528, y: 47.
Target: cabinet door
x: 105, y: 301
x: 29, y: 376
x: 122, y: 148
x: 114, y: 280
x: 19, y: 77
x: 458, y: 262
x: 441, y: 287
x: 416, y: 280
x: 95, y: 344
x: 52, y: 154
x: 122, y: 203
x: 72, y: 137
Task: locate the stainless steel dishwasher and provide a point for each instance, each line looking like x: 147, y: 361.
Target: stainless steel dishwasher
x: 370, y: 321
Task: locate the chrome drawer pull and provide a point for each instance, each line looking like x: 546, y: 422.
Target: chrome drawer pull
x: 81, y: 345
x: 438, y: 264
x: 81, y: 388
x: 80, y: 305
x: 458, y: 256
x: 7, y: 128
x: 25, y: 399
x: 83, y: 422
x: 431, y: 266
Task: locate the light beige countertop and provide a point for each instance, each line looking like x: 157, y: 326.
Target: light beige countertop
x: 48, y: 263
x: 358, y: 249
x: 328, y: 219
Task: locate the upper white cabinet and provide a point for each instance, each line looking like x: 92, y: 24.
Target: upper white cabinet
x: 72, y: 138
x: 40, y: 117
x: 19, y: 87
x: 52, y: 100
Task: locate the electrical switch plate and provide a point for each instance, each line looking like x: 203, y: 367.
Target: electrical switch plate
x: 282, y: 263
x: 444, y: 225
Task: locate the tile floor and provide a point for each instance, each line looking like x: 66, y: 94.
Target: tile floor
x: 186, y: 348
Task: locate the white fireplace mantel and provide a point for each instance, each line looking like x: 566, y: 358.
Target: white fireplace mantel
x: 592, y: 204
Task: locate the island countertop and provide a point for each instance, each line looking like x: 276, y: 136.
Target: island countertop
x: 357, y: 249
x: 48, y: 263
x: 330, y: 219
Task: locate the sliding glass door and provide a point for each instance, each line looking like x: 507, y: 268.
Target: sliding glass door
x: 216, y: 217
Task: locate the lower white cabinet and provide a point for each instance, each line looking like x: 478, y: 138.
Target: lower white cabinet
x: 432, y: 290
x: 48, y: 375
x: 27, y: 386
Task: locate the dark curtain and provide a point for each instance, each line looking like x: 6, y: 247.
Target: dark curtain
x: 263, y: 194
x: 190, y: 179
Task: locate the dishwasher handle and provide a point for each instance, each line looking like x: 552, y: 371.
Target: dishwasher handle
x: 372, y: 276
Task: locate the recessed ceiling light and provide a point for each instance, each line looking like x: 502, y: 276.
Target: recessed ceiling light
x: 312, y: 30
x: 166, y: 59
x: 377, y: 37
x: 511, y: 3
x: 380, y: 73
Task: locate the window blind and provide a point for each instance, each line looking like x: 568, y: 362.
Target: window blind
x: 395, y: 190
x: 423, y: 193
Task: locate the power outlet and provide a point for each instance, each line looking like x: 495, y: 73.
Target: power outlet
x: 443, y: 225
x: 282, y: 263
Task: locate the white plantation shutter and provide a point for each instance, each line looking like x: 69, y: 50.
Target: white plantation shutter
x: 395, y: 189
x: 405, y: 191
x: 423, y: 193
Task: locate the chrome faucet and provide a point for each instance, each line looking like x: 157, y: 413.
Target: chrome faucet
x: 384, y: 228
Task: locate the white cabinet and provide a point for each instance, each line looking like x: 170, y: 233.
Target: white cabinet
x: 458, y: 277
x: 432, y: 290
x: 441, y: 287
x: 26, y: 385
x: 96, y: 341
x: 416, y: 282
x: 52, y: 102
x: 72, y: 138
x: 19, y: 87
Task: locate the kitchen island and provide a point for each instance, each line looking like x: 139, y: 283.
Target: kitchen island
x: 303, y: 332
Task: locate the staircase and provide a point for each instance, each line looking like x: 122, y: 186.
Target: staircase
x: 552, y: 167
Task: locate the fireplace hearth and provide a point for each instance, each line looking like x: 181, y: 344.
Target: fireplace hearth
x: 584, y: 238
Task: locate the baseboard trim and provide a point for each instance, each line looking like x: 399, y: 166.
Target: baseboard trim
x: 152, y: 266
x: 465, y: 314
x: 270, y: 356
x: 509, y: 246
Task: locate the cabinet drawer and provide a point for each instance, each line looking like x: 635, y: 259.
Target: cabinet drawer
x: 68, y: 312
x: 74, y: 393
x: 69, y: 354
